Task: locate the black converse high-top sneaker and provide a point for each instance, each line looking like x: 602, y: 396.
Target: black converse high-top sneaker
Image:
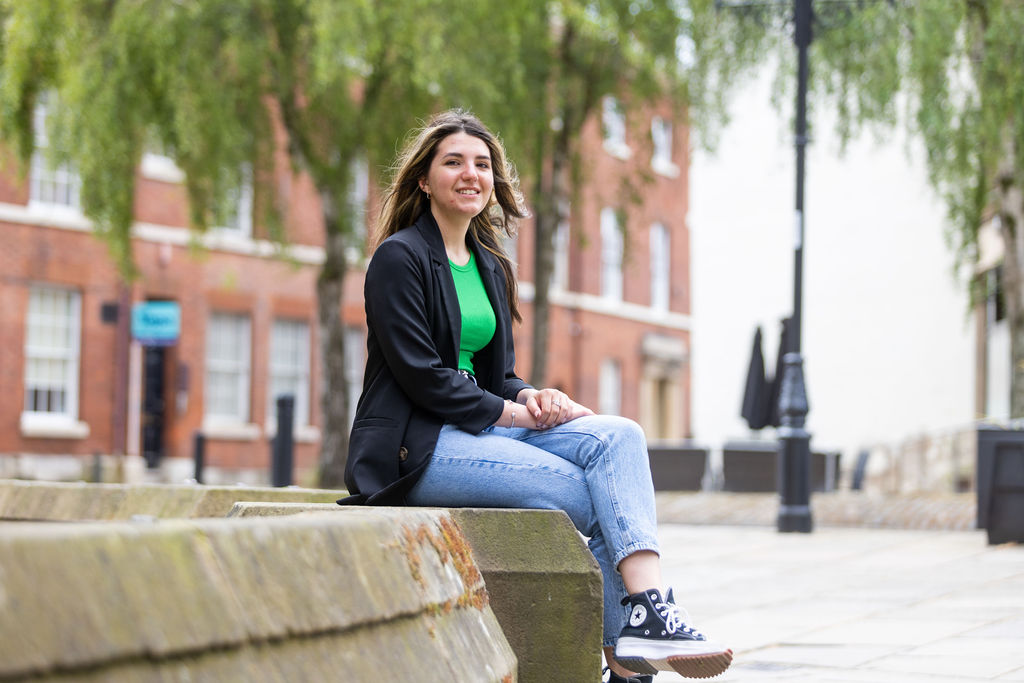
x: 656, y: 638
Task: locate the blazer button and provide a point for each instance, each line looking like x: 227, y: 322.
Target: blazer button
x: 403, y: 453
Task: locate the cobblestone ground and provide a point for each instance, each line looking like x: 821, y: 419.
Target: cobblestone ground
x: 935, y: 511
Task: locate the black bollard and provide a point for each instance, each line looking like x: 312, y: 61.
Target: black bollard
x: 283, y: 443
x: 199, y: 454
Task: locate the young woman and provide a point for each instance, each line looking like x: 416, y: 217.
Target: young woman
x: 444, y: 421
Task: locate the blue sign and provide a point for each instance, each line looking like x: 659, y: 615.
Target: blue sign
x: 156, y: 323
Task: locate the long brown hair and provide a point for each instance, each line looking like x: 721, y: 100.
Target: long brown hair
x: 404, y: 201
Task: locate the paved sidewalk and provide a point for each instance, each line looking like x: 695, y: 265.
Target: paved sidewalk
x: 852, y: 604
x: 948, y: 511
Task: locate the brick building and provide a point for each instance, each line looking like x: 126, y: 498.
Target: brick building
x: 81, y: 391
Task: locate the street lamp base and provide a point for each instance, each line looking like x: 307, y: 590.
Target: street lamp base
x: 795, y: 518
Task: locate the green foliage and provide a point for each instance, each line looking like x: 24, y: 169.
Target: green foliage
x: 200, y: 79
x: 958, y: 65
x: 722, y: 45
x: 219, y: 84
x: 953, y: 70
x: 132, y: 76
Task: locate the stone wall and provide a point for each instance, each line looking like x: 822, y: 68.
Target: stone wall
x: 936, y: 462
x: 544, y: 584
x: 311, y: 597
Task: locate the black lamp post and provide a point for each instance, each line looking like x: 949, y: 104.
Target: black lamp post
x: 794, y: 457
x: 794, y: 461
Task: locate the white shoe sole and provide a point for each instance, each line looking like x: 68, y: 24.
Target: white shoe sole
x: 697, y: 659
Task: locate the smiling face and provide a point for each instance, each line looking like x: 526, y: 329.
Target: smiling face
x: 460, y: 178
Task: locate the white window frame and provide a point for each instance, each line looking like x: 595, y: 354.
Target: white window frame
x: 511, y: 246
x: 355, y: 364
x: 613, y: 123
x: 661, y: 267
x: 609, y: 400
x: 239, y: 223
x: 288, y: 369
x: 661, y: 156
x: 358, y: 203
x: 612, y: 249
x: 560, y: 263
x: 47, y: 181
x: 53, y: 338
x: 235, y: 363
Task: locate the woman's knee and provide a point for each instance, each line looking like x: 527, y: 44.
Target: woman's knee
x: 615, y: 429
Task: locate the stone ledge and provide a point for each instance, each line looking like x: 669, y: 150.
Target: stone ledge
x: 303, y: 598
x: 56, y: 501
x: 544, y: 584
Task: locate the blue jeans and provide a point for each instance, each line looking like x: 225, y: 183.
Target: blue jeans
x: 594, y: 468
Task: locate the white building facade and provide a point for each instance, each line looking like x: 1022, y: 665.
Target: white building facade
x: 888, y: 336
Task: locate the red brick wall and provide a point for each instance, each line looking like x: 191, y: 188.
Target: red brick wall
x: 77, y: 260
x: 581, y: 340
x: 202, y: 281
x: 160, y: 202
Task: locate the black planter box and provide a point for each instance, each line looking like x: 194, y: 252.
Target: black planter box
x: 749, y: 467
x: 677, y: 468
x: 752, y: 467
x: 1001, y: 484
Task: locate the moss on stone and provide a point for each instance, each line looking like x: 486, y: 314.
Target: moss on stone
x: 307, y: 597
x: 542, y: 582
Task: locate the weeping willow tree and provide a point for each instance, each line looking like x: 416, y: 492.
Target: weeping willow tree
x: 961, y: 65
x: 953, y: 72
x: 573, y: 53
x: 207, y: 80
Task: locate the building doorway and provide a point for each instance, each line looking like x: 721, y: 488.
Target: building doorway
x: 154, y: 404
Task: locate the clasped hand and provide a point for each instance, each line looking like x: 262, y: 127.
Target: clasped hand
x: 550, y: 407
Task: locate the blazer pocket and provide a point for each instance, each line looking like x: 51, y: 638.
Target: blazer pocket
x: 381, y: 422
x: 369, y: 463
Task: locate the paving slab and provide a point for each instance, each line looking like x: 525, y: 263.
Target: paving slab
x: 852, y: 604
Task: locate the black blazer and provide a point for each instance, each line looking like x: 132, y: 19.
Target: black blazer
x: 412, y: 386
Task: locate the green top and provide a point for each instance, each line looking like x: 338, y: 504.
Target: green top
x: 478, y: 322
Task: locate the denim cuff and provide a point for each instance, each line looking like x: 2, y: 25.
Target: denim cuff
x: 634, y: 547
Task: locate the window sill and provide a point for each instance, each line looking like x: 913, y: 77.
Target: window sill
x: 356, y: 258
x: 234, y: 239
x: 302, y: 433
x: 665, y: 168
x: 619, y: 150
x: 42, y: 426
x: 161, y: 168
x: 220, y: 428
x: 59, y: 215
